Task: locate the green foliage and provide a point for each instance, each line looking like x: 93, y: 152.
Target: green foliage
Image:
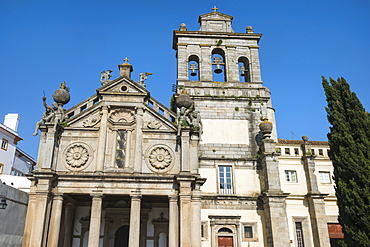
x: 349, y: 141
x: 236, y: 108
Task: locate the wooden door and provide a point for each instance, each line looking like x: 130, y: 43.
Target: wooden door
x: 225, y: 241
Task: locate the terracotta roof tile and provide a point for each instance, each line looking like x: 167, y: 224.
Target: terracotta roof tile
x: 299, y: 142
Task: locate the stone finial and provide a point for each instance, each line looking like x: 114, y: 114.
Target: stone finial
x: 249, y: 29
x: 105, y: 76
x: 183, y: 27
x: 61, y: 95
x: 305, y: 138
x: 143, y: 77
x: 266, y: 128
x: 125, y: 68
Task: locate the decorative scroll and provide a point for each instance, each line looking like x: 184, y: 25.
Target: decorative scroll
x: 91, y: 120
x: 154, y: 124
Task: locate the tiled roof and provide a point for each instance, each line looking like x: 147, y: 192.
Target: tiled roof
x: 299, y: 142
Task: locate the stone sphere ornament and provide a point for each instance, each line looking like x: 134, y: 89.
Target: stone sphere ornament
x: 184, y: 100
x: 61, y: 95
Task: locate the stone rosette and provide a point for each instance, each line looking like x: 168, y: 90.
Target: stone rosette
x: 77, y: 156
x: 160, y: 158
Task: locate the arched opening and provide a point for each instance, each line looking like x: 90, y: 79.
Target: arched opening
x: 122, y: 236
x: 225, y: 230
x: 193, y: 68
x: 162, y: 240
x: 244, y: 70
x: 218, y: 65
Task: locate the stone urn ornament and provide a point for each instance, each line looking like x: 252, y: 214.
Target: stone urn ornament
x: 61, y: 95
x: 266, y: 128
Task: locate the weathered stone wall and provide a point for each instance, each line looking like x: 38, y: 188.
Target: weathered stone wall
x: 13, y: 217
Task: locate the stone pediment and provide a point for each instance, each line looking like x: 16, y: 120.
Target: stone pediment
x: 122, y: 85
x: 215, y: 22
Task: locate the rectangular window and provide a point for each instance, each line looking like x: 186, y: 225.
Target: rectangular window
x: 291, y: 176
x: 287, y: 150
x: 225, y: 179
x: 299, y: 233
x: 296, y: 151
x: 1, y: 168
x: 4, y: 144
x: 321, y: 152
x: 121, y: 148
x: 248, y: 232
x: 324, y: 177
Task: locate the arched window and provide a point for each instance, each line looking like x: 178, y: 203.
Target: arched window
x: 244, y: 70
x: 193, y: 68
x: 162, y: 240
x: 218, y: 65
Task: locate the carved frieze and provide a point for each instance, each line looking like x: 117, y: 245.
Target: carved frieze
x: 122, y: 116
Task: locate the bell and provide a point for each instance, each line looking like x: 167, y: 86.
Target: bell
x: 218, y: 69
x: 242, y: 70
x: 193, y: 73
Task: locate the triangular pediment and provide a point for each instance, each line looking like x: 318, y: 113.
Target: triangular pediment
x: 215, y: 22
x: 122, y: 85
x: 215, y: 16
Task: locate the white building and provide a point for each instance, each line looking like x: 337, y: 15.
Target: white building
x: 124, y: 170
x: 14, y: 162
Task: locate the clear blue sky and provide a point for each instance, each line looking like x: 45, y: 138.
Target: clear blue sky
x: 46, y: 42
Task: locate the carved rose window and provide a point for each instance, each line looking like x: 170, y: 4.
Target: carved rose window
x: 77, y: 156
x: 160, y: 158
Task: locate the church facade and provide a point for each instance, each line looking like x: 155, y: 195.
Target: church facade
x: 121, y: 169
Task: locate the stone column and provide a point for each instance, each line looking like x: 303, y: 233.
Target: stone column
x: 39, y: 219
x: 255, y: 64
x: 185, y: 212
x: 273, y: 198
x: 48, y: 151
x: 196, y: 235
x: 316, y: 205
x: 102, y: 139
x: 182, y: 63
x: 31, y: 209
x: 134, y: 239
x: 94, y: 229
x: 232, y: 68
x: 205, y: 66
x: 193, y: 153
x: 139, y: 139
x: 185, y: 149
x: 69, y: 224
x: 173, y: 228
x: 54, y: 225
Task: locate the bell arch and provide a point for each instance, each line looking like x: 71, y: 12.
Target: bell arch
x: 193, y: 68
x: 244, y: 69
x: 218, y: 65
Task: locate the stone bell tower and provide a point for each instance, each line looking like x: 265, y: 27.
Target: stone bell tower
x: 220, y: 70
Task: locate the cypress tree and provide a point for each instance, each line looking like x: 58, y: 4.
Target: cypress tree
x: 349, y: 141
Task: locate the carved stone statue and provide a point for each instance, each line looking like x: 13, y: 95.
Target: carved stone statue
x: 143, y: 77
x: 196, y: 122
x: 54, y: 114
x: 105, y: 76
